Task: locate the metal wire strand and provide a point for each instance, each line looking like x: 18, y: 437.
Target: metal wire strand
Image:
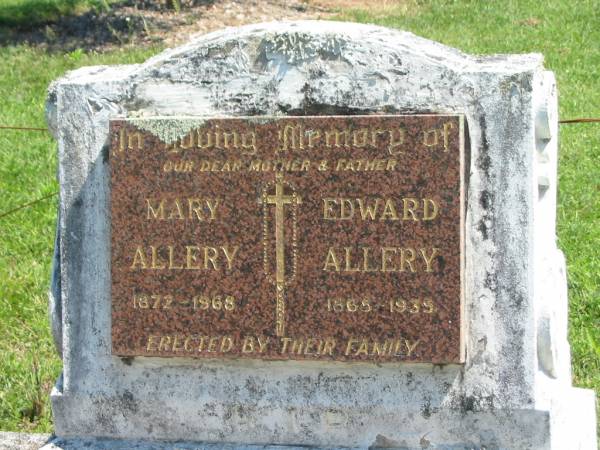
x: 8, y: 127
x: 25, y: 205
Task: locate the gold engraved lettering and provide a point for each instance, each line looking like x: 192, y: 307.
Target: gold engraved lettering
x: 212, y: 344
x: 201, y: 344
x: 366, y: 259
x: 208, y: 143
x: 360, y: 138
x: 178, y: 166
x: 212, y: 207
x: 447, y: 127
x: 248, y: 345
x: 346, y: 209
x: 165, y: 342
x: 190, y: 141
x: 189, y: 344
x: 386, y: 254
x: 294, y: 137
x: 217, y: 138
x: 409, y: 209
x: 328, y: 346
x: 363, y: 348
x: 389, y: 347
x: 368, y: 212
x: 379, y: 259
x: 228, y: 137
x: 151, y: 344
x: 429, y: 259
x: 331, y: 260
x: 404, y: 259
x: 365, y: 165
x: 130, y: 141
x: 308, y: 348
x: 226, y: 344
x: 429, y: 214
x: 262, y: 344
x: 389, y: 211
x: 154, y: 259
x: 279, y: 165
x: 249, y: 142
x: 210, y: 254
x: 220, y: 166
x: 139, y: 258
x: 349, y: 268
x: 172, y: 265
x: 200, y: 209
x: 190, y: 257
x: 313, y: 136
x: 327, y: 208
x: 297, y: 345
x: 288, y: 138
x: 196, y: 208
x: 176, y: 211
x: 185, y: 258
x: 230, y: 256
x: 395, y: 142
x: 350, y: 345
x: 381, y: 209
x: 284, y: 344
x: 430, y: 137
x: 177, y: 344
x: 410, y: 346
x: 380, y: 349
x: 158, y: 211
x: 255, y: 166
x: 337, y: 134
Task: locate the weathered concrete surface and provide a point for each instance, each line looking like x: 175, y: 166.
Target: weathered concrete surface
x: 514, y: 390
x: 112, y: 444
x: 22, y: 441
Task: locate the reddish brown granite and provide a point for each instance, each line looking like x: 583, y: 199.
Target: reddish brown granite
x: 202, y: 282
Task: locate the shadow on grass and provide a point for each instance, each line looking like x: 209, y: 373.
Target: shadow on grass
x: 25, y: 14
x: 67, y: 25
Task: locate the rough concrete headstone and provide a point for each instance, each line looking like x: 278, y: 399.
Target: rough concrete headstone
x: 510, y: 388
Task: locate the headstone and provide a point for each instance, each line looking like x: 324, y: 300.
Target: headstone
x: 312, y: 234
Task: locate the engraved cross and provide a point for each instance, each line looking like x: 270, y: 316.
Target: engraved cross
x: 280, y: 199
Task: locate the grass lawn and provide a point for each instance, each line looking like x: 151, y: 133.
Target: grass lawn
x: 566, y: 33
x: 28, y: 12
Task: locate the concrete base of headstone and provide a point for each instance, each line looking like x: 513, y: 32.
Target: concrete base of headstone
x: 570, y: 424
x: 514, y: 390
x: 112, y: 444
x: 22, y: 441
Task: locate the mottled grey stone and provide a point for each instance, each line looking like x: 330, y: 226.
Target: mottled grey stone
x: 514, y: 390
x: 22, y: 441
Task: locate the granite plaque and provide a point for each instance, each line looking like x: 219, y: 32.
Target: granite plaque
x: 317, y: 238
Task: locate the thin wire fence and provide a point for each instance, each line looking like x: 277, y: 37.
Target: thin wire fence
x: 8, y: 127
x: 53, y: 194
